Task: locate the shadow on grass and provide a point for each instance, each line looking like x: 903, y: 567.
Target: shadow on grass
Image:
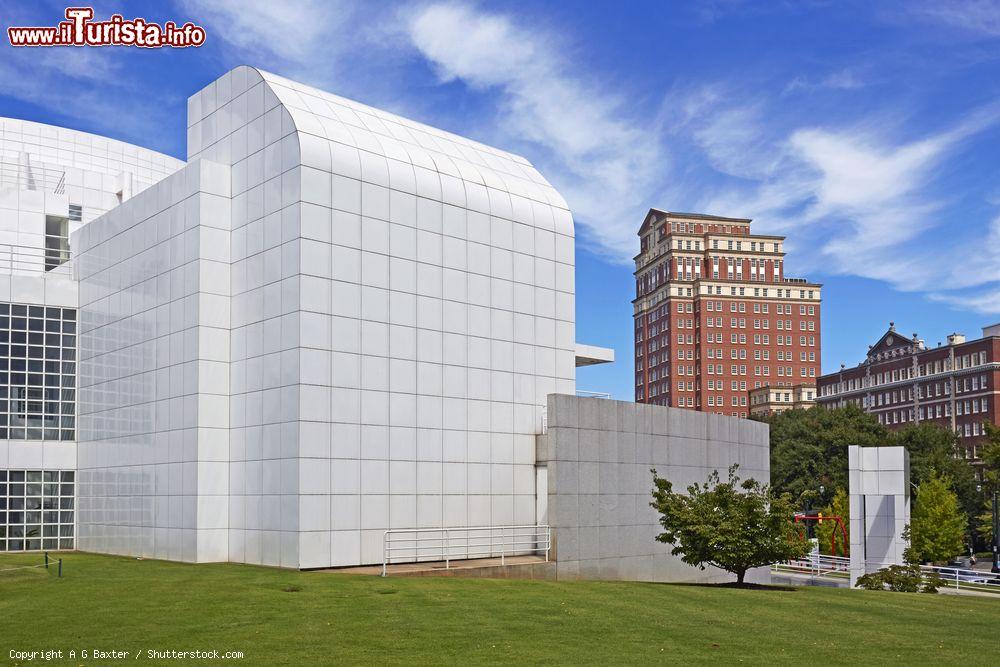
x: 734, y: 585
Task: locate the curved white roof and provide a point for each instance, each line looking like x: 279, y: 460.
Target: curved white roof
x: 358, y: 141
x: 65, y: 148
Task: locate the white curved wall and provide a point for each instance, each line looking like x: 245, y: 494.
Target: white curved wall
x: 398, y: 303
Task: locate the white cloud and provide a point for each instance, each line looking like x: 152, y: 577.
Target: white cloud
x: 845, y: 79
x: 876, y: 189
x: 293, y: 32
x: 978, y: 17
x: 973, y: 277
x: 88, y: 85
x: 854, y: 198
x: 605, y: 161
x: 858, y: 202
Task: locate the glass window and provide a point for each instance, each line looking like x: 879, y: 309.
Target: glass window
x: 36, y: 510
x: 37, y: 400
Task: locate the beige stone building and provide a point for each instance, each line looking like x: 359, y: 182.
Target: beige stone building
x: 768, y: 400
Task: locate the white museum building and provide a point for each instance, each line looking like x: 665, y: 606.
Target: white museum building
x: 328, y: 323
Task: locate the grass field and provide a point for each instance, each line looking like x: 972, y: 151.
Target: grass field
x: 278, y: 617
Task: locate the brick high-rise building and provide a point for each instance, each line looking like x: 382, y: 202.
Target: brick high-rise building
x: 715, y: 315
x: 902, y: 382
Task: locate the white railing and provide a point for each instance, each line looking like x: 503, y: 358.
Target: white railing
x: 838, y: 568
x: 816, y: 565
x: 412, y: 545
x: 964, y: 579
x: 21, y: 176
x: 31, y: 259
x: 592, y: 394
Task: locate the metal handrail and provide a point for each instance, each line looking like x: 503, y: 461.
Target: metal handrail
x: 976, y: 580
x: 32, y: 259
x: 817, y: 565
x: 592, y: 394
x: 463, y: 543
x: 28, y: 176
x: 838, y: 567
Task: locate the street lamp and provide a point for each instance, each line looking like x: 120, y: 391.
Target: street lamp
x: 996, y: 534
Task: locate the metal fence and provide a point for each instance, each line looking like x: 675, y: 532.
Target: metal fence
x: 411, y: 545
x: 817, y: 565
x: 837, y: 568
x: 20, y: 259
x: 21, y: 175
x: 962, y: 579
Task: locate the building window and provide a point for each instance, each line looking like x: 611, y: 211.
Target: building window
x: 39, y: 510
x: 37, y: 372
x: 56, y: 241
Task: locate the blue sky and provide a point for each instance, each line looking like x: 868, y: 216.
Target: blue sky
x: 868, y: 133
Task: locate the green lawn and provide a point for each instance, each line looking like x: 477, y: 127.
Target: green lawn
x: 302, y: 618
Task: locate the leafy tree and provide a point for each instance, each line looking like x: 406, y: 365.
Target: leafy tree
x: 990, y: 456
x: 937, y: 524
x: 732, y: 525
x: 826, y: 530
x: 932, y: 451
x: 984, y: 522
x: 809, y: 448
x: 990, y: 453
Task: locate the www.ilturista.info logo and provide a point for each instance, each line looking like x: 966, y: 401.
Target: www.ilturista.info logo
x: 79, y: 29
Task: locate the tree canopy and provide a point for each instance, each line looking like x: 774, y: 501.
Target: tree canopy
x: 932, y: 452
x: 828, y: 533
x: 733, y: 525
x: 809, y: 448
x: 937, y: 523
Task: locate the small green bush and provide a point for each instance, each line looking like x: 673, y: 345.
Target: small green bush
x: 901, y: 579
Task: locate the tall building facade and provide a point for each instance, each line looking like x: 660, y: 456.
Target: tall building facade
x: 332, y: 322
x: 903, y: 382
x: 52, y: 182
x: 715, y: 315
x: 330, y: 325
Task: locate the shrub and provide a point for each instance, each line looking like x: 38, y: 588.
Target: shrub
x: 901, y: 579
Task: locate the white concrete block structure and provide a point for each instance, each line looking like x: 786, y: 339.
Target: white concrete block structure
x: 334, y: 321
x: 879, y: 506
x: 597, y: 455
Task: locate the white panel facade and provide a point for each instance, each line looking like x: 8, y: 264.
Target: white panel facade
x: 153, y: 446
x: 400, y: 303
x: 879, y: 484
x: 44, y: 170
x: 52, y: 181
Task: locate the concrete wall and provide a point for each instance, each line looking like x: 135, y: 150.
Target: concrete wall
x: 879, y: 504
x: 154, y: 371
x: 402, y: 304
x: 598, y: 455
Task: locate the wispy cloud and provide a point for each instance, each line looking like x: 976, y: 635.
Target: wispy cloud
x: 94, y: 89
x: 845, y: 79
x: 292, y: 33
x: 86, y: 86
x: 858, y: 201
x: 854, y: 190
x: 605, y: 160
x: 976, y: 17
